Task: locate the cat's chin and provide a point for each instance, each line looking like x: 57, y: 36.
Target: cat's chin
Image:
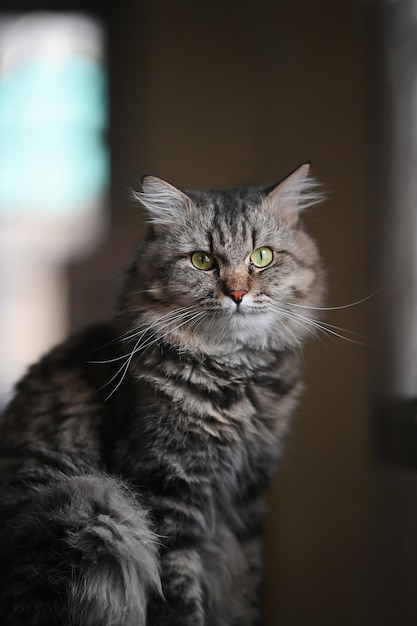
x: 240, y: 329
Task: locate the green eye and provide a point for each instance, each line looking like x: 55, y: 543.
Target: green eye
x: 202, y: 261
x: 261, y: 257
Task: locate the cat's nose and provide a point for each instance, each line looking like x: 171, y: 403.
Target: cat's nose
x: 237, y: 295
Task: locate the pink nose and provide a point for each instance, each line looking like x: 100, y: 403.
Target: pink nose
x: 237, y: 295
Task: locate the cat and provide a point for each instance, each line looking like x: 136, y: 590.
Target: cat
x: 134, y: 457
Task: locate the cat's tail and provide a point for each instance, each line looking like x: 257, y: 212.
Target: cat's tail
x: 81, y: 549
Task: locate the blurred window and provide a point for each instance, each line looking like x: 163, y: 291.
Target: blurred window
x: 54, y: 173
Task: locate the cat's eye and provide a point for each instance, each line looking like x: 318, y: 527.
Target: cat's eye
x: 261, y: 257
x: 203, y: 261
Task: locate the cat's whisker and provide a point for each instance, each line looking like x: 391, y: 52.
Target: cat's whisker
x: 197, y: 320
x: 304, y: 322
x: 296, y: 339
x: 181, y: 311
x: 197, y: 323
x: 106, y: 361
x: 344, y: 330
x: 169, y: 331
x: 308, y: 327
x: 155, y: 337
x: 328, y: 328
x: 309, y: 323
x: 337, y: 308
x: 125, y: 356
x: 112, y: 379
x: 147, y: 326
x: 123, y: 369
x: 164, y: 322
x: 128, y: 335
x: 326, y: 325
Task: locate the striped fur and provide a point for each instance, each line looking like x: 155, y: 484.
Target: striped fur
x: 135, y: 456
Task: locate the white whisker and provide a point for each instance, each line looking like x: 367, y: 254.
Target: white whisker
x: 129, y: 335
x: 336, y: 308
x: 177, y: 313
x: 153, y: 332
x: 122, y: 369
x: 295, y: 338
x: 168, y: 332
x: 310, y: 324
x: 324, y: 327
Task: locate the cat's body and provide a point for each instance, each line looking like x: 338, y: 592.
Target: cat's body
x: 135, y: 456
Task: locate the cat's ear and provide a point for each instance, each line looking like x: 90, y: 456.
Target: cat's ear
x: 161, y: 200
x: 295, y: 193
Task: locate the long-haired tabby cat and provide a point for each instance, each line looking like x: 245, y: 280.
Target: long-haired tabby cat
x: 134, y: 457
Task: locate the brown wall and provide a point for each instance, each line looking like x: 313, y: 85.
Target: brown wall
x: 220, y: 93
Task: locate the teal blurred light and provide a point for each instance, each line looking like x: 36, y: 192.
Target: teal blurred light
x: 53, y: 114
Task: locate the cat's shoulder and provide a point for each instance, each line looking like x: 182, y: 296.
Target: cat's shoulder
x: 71, y: 365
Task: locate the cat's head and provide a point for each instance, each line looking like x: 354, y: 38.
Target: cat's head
x: 220, y: 270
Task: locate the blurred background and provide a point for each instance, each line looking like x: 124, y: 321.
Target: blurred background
x: 216, y: 94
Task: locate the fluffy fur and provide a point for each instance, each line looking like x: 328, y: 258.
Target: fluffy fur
x: 134, y: 457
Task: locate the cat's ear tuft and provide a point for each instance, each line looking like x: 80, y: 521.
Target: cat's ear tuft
x: 296, y: 192
x: 161, y: 200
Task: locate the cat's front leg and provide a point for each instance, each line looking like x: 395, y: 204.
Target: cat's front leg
x: 182, y: 516
x: 253, y: 550
x: 182, y: 603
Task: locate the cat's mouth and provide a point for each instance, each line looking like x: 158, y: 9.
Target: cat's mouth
x: 232, y: 308
x: 244, y: 310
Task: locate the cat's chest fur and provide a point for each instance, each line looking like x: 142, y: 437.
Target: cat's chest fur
x: 209, y: 433
x: 220, y: 422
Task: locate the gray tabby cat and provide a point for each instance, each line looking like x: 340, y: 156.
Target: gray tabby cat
x: 134, y: 457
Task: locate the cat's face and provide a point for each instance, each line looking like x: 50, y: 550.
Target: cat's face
x: 227, y: 269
